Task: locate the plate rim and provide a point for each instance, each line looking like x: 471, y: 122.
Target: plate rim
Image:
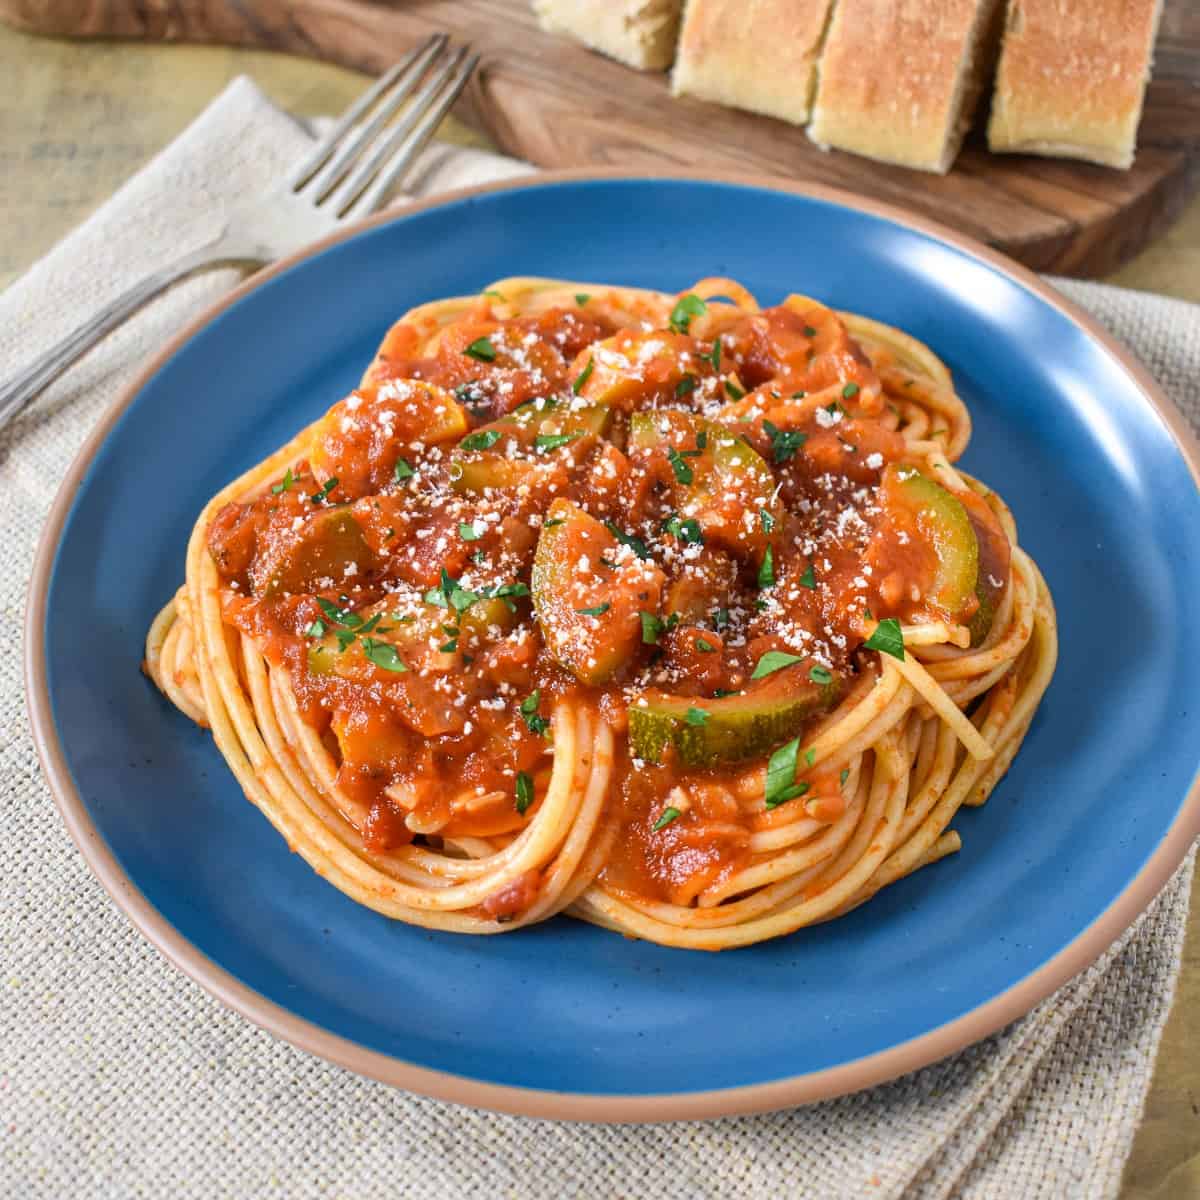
x: 773, y: 1095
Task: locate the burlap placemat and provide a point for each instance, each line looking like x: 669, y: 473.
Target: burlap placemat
x: 119, y: 1077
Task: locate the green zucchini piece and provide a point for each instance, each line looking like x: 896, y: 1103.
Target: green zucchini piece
x: 326, y: 544
x: 589, y: 614
x: 943, y: 522
x: 736, y: 728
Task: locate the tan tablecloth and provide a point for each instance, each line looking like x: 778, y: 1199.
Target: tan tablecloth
x: 119, y: 1077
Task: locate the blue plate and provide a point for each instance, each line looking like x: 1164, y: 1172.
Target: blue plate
x: 565, y: 1019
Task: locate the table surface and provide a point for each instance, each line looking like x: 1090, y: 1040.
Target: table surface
x: 89, y: 114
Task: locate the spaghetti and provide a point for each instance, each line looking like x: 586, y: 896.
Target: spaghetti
x: 671, y: 613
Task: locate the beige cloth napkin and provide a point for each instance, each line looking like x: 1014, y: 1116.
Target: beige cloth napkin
x: 119, y: 1077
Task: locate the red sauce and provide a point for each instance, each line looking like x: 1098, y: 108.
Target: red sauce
x: 397, y: 599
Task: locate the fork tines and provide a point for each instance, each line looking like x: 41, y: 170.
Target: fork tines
x: 366, y: 152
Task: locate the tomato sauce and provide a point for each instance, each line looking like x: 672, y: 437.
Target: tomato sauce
x: 681, y: 511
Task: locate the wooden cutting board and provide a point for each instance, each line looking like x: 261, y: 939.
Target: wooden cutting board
x: 551, y: 101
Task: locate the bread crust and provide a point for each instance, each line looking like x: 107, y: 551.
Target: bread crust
x: 639, y: 33
x: 1072, y: 78
x: 759, y: 55
x: 899, y: 79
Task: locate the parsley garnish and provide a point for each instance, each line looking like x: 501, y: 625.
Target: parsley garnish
x: 402, y: 470
x: 784, y: 443
x: 583, y: 376
x: 285, y: 483
x: 321, y: 496
x: 482, y: 439
x: 669, y: 814
x: 810, y: 756
x: 715, y: 356
x: 685, y: 386
x: 809, y: 331
x: 553, y: 522
x: 450, y: 647
x: 720, y: 619
x: 703, y: 646
x: 768, y: 521
x: 718, y: 693
x: 808, y: 579
x: 482, y: 350
x: 345, y: 617
x: 382, y: 654
x: 696, y: 716
x: 634, y: 543
x: 529, y: 712
x: 819, y: 674
x: 850, y: 391
x: 596, y: 611
x: 887, y: 638
x: 688, y: 531
x: 844, y: 776
x: 734, y: 392
x: 468, y: 532
x: 581, y: 298
x: 652, y: 626
x: 781, y: 776
x: 766, y: 573
x: 683, y: 473
x: 774, y: 660
x: 553, y: 441
x: 686, y: 307
x: 524, y: 792
x: 316, y: 629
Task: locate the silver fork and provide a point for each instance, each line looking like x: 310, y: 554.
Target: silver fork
x: 347, y: 175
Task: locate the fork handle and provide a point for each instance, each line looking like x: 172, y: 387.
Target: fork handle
x: 17, y: 393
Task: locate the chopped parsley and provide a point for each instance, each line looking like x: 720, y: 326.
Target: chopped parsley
x: 844, y: 776
x: 323, y: 495
x: 809, y: 331
x: 482, y: 439
x: 685, y: 386
x: 696, y: 716
x: 581, y: 298
x: 583, y: 376
x: 382, y: 654
x: 721, y: 619
x: 686, y: 308
x: 733, y: 391
x: 316, y: 629
x: 468, y: 532
x: 808, y: 579
x: 493, y: 292
x: 634, y: 543
x: 596, y: 611
x: 482, y: 350
x: 669, y: 814
x: 530, y: 715
x: 524, y: 792
x: 554, y: 441
x: 781, y: 776
x: 850, y: 391
x: 653, y: 626
x: 766, y: 572
x: 887, y: 638
x: 774, y: 660
x: 810, y: 756
x: 688, y: 531
x: 784, y: 443
x: 768, y: 521
x: 552, y: 522
x: 819, y: 674
x: 345, y: 617
x: 715, y: 356
x: 284, y: 484
x: 703, y: 646
x: 683, y: 472
x: 402, y: 470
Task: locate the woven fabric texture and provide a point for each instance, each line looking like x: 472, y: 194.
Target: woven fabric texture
x: 121, y: 1078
